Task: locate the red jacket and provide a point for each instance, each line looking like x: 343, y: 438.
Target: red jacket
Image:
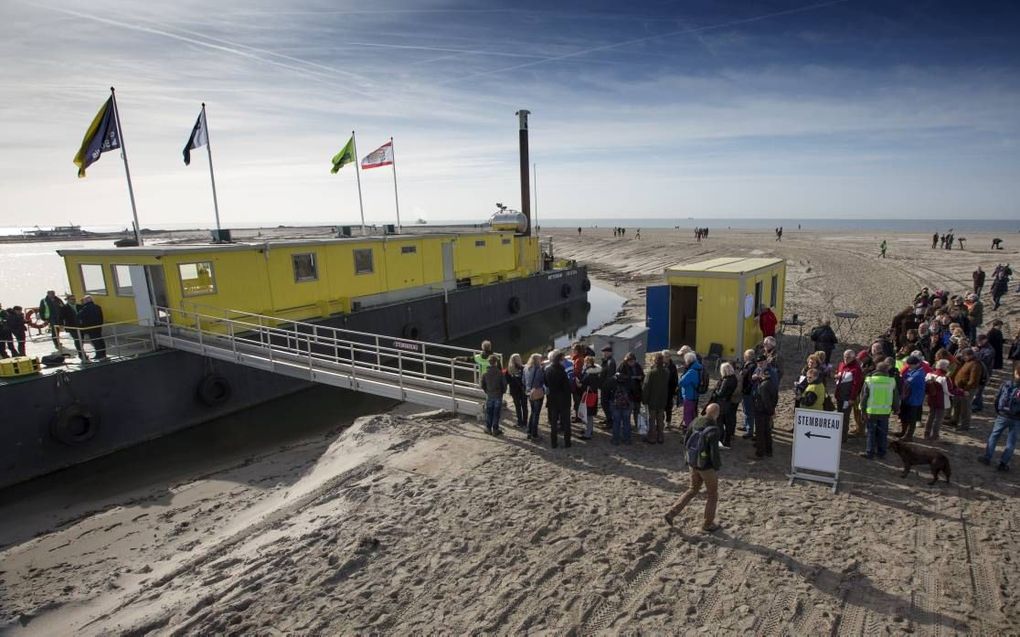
x: 767, y: 321
x: 856, y: 377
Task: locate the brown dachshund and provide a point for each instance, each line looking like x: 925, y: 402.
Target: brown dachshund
x: 913, y: 454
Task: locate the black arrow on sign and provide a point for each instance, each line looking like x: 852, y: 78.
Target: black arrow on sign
x: 811, y: 435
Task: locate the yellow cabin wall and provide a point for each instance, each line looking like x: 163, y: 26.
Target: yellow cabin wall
x: 752, y: 332
x: 241, y: 278
x: 494, y: 258
x: 116, y: 308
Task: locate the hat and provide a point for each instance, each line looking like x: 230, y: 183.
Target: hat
x: 607, y: 348
x: 913, y: 360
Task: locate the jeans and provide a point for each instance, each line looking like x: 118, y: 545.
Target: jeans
x: 934, y: 422
x: 559, y: 423
x: 748, y: 403
x: 521, y: 408
x: 878, y: 435
x: 621, y: 425
x: 492, y: 408
x: 998, y: 427
x: 536, y: 410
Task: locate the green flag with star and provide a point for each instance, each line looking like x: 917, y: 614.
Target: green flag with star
x: 344, y: 157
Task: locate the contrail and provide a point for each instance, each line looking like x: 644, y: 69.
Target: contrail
x: 617, y: 45
x: 446, y: 50
x: 233, y: 49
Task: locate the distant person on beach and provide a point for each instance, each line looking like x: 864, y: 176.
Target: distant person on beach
x: 766, y: 398
x: 701, y: 443
x: 824, y: 338
x: 979, y: 280
x: 879, y: 399
x: 654, y: 396
x: 90, y: 317
x: 534, y: 385
x: 996, y: 243
x: 882, y: 248
x: 637, y: 233
x: 16, y: 324
x: 1000, y: 285
x: 934, y: 241
x: 579, y: 231
x: 767, y: 321
x: 558, y: 400
x: 494, y: 385
x: 1007, y: 420
x: 49, y: 310
x: 960, y: 241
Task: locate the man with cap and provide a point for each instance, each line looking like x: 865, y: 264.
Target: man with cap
x: 608, y: 365
x: 913, y: 395
x: 766, y: 397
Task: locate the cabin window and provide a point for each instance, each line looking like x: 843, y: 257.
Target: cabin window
x: 757, y: 297
x: 506, y: 242
x: 92, y: 279
x: 480, y: 243
x: 363, y: 261
x: 774, y: 295
x: 408, y: 249
x: 122, y: 280
x: 197, y: 278
x: 304, y: 267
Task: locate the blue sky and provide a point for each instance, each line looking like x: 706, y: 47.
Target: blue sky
x: 641, y: 109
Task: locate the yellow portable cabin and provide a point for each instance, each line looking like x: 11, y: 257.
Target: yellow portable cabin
x: 715, y: 302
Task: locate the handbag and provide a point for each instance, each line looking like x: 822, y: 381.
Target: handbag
x: 536, y: 393
x: 590, y: 398
x: 827, y: 403
x: 582, y: 411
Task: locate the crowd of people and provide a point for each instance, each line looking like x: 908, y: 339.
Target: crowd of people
x: 930, y: 370
x: 82, y: 322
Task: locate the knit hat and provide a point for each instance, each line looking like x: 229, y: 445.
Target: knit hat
x: 913, y: 360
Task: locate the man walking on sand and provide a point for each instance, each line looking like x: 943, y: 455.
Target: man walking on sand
x: 979, y: 280
x: 1007, y: 420
x: 702, y: 451
x: 882, y: 248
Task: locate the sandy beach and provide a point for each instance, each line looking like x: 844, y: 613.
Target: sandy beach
x: 403, y: 522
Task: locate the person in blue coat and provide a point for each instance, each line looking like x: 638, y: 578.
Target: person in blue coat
x: 913, y: 393
x: 689, y: 387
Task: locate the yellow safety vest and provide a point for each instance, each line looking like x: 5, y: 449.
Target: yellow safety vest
x: 880, y: 394
x: 818, y: 389
x: 482, y: 362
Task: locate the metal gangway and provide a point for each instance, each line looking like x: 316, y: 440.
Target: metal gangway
x: 430, y: 374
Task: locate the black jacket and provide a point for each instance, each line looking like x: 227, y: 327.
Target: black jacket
x: 558, y: 386
x: 90, y: 315
x: 68, y: 315
x: 16, y: 323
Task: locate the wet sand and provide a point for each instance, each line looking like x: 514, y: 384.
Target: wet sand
x: 405, y: 523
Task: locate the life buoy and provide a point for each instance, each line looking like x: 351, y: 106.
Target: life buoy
x: 410, y: 331
x: 586, y: 284
x: 214, y: 390
x: 74, y: 424
x: 30, y: 315
x: 514, y: 305
x: 566, y: 290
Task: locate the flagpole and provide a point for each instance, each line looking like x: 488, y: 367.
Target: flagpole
x: 396, y: 199
x: 357, y: 171
x: 212, y: 178
x: 127, y: 170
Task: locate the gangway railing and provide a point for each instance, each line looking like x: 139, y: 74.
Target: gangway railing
x: 431, y: 374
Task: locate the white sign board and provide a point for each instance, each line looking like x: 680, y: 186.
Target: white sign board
x: 817, y: 441
x: 748, y: 306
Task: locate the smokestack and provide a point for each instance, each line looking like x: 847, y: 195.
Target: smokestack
x: 525, y: 183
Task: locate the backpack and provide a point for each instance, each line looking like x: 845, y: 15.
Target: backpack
x: 702, y: 380
x: 1009, y: 400
x: 696, y: 453
x: 984, y: 373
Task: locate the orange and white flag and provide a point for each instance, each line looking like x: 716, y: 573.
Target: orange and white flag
x: 382, y: 156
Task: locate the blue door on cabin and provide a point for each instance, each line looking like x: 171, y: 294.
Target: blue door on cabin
x: 657, y: 317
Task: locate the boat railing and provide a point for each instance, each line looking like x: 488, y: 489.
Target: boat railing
x: 320, y: 347
x: 122, y: 339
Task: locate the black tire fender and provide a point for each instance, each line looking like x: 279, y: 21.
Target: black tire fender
x: 74, y: 425
x: 586, y: 284
x: 213, y: 390
x: 566, y: 290
x: 514, y: 305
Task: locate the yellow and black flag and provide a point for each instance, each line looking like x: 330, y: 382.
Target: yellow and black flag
x: 99, y: 138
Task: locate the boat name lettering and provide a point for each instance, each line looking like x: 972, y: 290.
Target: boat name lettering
x: 404, y: 345
x: 571, y: 272
x: 558, y: 275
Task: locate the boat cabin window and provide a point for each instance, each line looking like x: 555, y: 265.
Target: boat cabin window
x: 304, y: 267
x: 408, y: 249
x: 122, y: 280
x: 757, y: 297
x: 480, y: 243
x: 197, y: 278
x: 363, y: 261
x: 506, y: 242
x: 92, y: 279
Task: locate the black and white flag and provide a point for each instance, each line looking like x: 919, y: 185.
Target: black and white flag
x: 199, y: 137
